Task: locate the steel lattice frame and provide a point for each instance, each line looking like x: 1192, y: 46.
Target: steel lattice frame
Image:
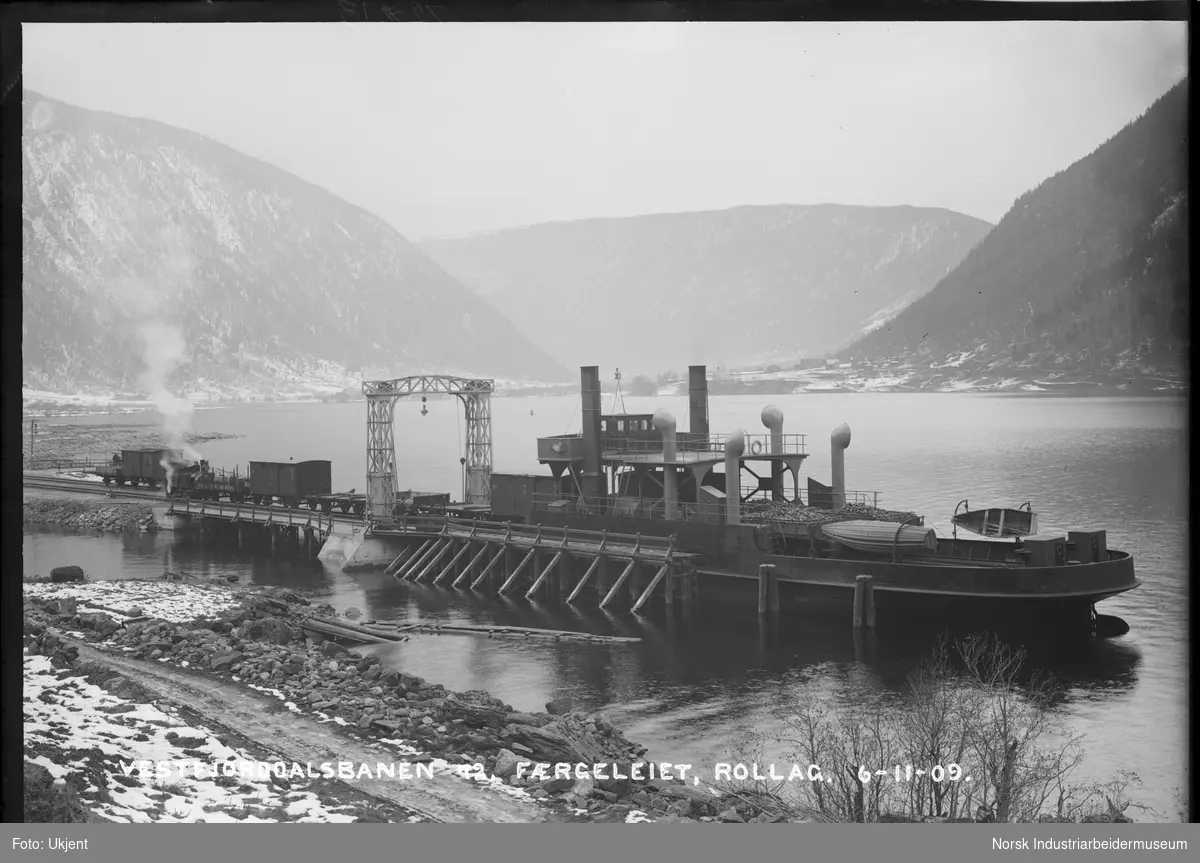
x: 476, y: 396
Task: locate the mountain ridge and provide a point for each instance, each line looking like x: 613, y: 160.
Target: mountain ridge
x: 818, y: 273
x: 1086, y: 276
x: 266, y: 276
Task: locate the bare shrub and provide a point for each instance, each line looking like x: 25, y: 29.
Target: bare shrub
x: 974, y: 736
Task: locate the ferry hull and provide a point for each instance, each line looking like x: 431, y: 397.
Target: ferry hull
x: 728, y: 559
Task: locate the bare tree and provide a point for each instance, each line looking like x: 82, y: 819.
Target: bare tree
x: 973, y: 737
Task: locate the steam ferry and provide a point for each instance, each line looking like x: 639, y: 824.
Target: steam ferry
x: 735, y: 501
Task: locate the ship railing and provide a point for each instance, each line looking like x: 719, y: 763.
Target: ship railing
x: 714, y: 444
x: 867, y: 498
x: 684, y: 443
x: 761, y: 444
x: 756, y: 494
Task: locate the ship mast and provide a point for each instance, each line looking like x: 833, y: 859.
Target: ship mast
x: 617, y: 396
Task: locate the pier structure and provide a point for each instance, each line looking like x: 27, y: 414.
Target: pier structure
x: 299, y: 530
x: 566, y: 565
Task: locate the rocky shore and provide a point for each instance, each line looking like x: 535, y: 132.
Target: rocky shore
x: 89, y: 514
x: 255, y: 638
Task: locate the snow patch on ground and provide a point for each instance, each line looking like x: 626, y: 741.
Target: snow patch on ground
x: 170, y: 601
x: 110, y: 733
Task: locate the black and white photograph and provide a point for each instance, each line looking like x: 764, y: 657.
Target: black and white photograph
x: 623, y: 422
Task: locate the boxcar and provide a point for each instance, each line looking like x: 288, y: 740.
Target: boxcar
x: 289, y: 482
x: 142, y: 467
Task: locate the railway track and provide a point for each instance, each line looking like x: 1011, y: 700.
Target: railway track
x: 54, y: 483
x: 82, y: 486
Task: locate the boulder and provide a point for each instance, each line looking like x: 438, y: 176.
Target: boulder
x: 549, y: 745
x: 225, y: 659
x: 582, y: 790
x: 560, y: 706
x: 67, y: 605
x: 506, y: 763
x: 473, y: 714
x: 100, y: 622
x: 67, y: 574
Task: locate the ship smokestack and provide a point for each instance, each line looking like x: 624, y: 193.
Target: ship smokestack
x: 772, y: 418
x: 664, y: 422
x: 735, y: 445
x: 839, y: 439
x: 593, y: 480
x: 697, y: 400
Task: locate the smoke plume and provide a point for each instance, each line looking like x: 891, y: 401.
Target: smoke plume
x: 164, y: 347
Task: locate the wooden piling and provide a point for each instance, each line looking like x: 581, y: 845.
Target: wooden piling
x: 516, y: 572
x: 636, y: 579
x: 466, y: 573
x: 869, y: 602
x: 545, y: 572
x: 565, y: 570
x: 764, y: 587
x: 773, y: 592
x: 450, y: 566
x: 596, y: 562
x: 688, y: 594
x: 413, y: 565
x: 446, y: 546
x: 405, y: 554
x: 501, y: 553
x: 612, y: 593
x: 659, y: 576
x: 864, y: 602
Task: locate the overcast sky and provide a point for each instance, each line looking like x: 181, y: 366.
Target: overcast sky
x: 453, y: 128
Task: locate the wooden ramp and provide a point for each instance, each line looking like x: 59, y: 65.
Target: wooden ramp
x: 607, y: 569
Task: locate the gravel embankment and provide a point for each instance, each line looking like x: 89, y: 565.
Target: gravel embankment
x: 89, y: 514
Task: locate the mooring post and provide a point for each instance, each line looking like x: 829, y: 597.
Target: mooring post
x: 773, y: 591
x: 864, y: 602
x: 868, y: 601
x: 764, y: 587
x: 687, y: 590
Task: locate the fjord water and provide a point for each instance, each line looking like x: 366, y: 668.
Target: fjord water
x: 1113, y: 463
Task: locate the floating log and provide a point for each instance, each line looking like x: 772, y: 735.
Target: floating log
x: 389, y: 631
x: 348, y: 631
